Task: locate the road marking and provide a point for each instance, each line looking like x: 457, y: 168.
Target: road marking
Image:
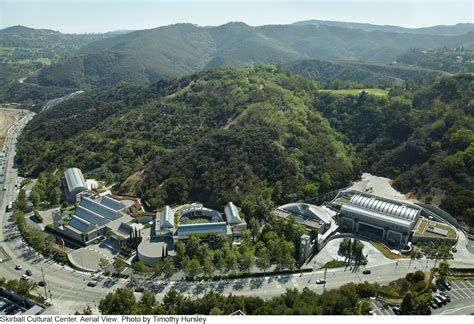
x: 449, y: 311
x: 462, y: 292
x: 455, y: 294
x: 64, y: 293
x: 460, y: 283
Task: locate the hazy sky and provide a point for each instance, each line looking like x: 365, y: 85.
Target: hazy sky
x: 77, y: 16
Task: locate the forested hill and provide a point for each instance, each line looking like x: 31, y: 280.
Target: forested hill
x: 452, y: 60
x: 172, y: 51
x: 424, y: 139
x: 260, y: 135
x: 24, y: 51
x: 230, y: 134
x: 342, y: 74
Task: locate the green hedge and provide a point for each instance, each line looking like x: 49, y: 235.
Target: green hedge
x: 38, y: 216
x: 249, y: 275
x: 38, y: 240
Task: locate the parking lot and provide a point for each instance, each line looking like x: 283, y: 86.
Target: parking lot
x: 462, y: 299
x: 380, y: 308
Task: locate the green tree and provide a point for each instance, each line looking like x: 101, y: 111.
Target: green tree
x: 35, y: 197
x: 407, y: 304
x: 195, y: 268
x: 263, y: 261
x: 119, y: 302
x: 254, y: 227
x: 444, y: 270
x: 21, y: 202
x: 248, y: 260
x: 208, y: 264
x: 168, y: 267
x: 103, y: 264
x: 147, y: 302
x: 54, y: 196
x: 139, y: 267
x: 216, y: 311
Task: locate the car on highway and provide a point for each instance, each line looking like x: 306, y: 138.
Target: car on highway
x: 320, y: 281
x: 92, y: 283
x: 25, y: 277
x: 18, y: 267
x: 41, y: 283
x: 366, y: 272
x: 28, y: 272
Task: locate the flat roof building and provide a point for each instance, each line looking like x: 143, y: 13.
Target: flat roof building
x: 94, y: 218
x: 375, y: 217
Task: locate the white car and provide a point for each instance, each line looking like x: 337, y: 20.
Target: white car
x: 25, y: 277
x: 18, y: 267
x: 320, y: 281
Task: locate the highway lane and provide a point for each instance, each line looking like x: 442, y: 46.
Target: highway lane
x: 69, y: 288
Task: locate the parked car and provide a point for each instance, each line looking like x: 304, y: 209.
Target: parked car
x: 18, y: 267
x: 446, y: 296
x: 438, y: 302
x: 41, y: 283
x: 92, y: 283
x: 366, y: 272
x: 396, y: 310
x: 25, y: 277
x: 139, y: 289
x: 443, y: 299
x: 320, y: 281
x: 29, y: 273
x: 433, y: 305
x: 446, y: 285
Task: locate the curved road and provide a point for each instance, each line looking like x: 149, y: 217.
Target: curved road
x: 67, y: 289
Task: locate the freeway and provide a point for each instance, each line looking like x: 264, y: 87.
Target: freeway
x: 67, y: 289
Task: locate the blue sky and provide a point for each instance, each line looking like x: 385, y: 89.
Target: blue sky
x: 79, y: 16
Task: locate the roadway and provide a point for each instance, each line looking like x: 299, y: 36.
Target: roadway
x: 67, y: 289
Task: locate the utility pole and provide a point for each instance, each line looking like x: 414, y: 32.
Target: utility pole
x: 44, y: 281
x: 324, y: 287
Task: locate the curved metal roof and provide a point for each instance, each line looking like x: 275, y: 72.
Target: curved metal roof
x: 232, y: 214
x: 385, y: 207
x: 75, y: 180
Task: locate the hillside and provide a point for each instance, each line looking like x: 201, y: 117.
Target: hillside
x: 231, y: 134
x: 424, y: 139
x: 343, y: 74
x: 458, y: 29
x: 145, y: 56
x: 23, y: 51
x: 244, y: 134
x: 453, y: 60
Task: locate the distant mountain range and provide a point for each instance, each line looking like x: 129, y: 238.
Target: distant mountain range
x: 167, y: 52
x: 458, y: 29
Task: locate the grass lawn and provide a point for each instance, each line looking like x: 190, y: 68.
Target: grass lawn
x: 386, y: 251
x: 422, y: 229
x: 335, y: 264
x: 355, y: 92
